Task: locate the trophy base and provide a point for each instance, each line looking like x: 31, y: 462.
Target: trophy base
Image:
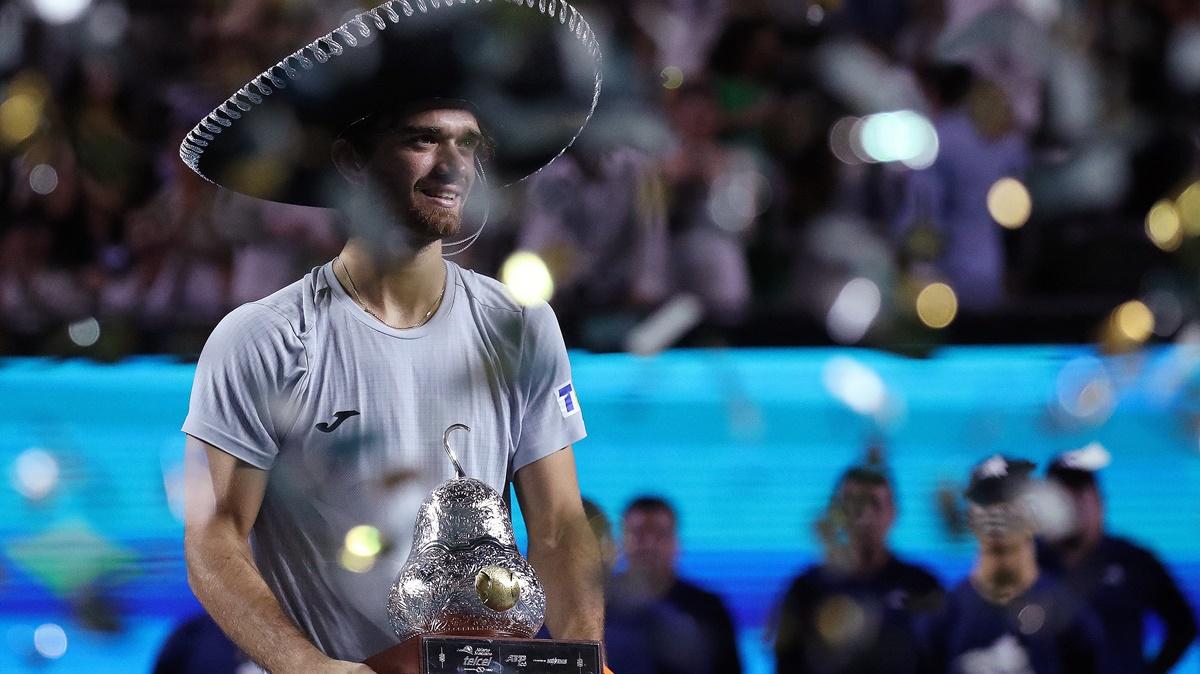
x: 444, y: 653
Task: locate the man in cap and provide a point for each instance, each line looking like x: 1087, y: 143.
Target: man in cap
x: 320, y: 409
x: 1006, y: 617
x: 853, y: 613
x: 1120, y: 580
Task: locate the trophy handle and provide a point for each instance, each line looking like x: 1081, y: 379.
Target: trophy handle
x: 450, y: 452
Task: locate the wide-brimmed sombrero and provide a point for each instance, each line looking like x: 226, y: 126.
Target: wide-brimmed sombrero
x: 529, y: 69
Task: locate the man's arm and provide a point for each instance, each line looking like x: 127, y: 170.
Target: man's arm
x: 562, y: 547
x: 221, y: 504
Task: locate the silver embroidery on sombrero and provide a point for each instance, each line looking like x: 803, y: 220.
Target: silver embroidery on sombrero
x: 324, y: 48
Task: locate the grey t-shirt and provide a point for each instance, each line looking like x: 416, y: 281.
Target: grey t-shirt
x: 348, y: 414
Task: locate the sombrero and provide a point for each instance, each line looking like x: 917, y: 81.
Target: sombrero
x: 529, y: 69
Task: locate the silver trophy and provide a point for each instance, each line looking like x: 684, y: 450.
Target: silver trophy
x: 466, y: 600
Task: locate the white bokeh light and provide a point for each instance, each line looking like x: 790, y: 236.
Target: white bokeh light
x: 85, y: 332
x: 857, y: 386
x: 43, y: 179
x: 902, y: 136
x: 60, y: 11
x: 35, y: 473
x: 853, y: 311
x: 50, y: 641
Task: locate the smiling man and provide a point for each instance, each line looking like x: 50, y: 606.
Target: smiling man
x: 316, y: 417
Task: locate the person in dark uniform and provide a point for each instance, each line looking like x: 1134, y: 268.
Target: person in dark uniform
x: 1122, y: 581
x: 1007, y: 617
x: 655, y: 621
x: 852, y: 613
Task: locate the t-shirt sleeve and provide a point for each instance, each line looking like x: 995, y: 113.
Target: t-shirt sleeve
x: 245, y: 385
x: 551, y: 417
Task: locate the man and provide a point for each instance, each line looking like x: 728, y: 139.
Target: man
x: 1120, y: 580
x: 657, y: 622
x: 320, y: 409
x: 853, y: 612
x: 1007, y: 618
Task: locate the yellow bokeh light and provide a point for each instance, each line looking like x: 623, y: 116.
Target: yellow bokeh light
x: 1187, y: 206
x: 1009, y: 203
x: 356, y: 563
x: 672, y: 77
x: 364, y: 541
x: 1163, y: 225
x: 937, y: 305
x: 527, y: 277
x: 1133, y: 321
x: 19, y: 118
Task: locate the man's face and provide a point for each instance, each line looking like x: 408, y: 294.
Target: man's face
x: 870, y: 512
x: 1002, y: 557
x: 424, y: 166
x: 649, y: 541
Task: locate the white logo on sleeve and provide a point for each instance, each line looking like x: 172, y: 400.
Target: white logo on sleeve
x: 568, y: 404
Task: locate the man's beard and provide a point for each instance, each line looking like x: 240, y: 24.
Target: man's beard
x: 430, y: 224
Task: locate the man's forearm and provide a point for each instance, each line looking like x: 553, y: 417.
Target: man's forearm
x: 229, y: 585
x: 570, y: 569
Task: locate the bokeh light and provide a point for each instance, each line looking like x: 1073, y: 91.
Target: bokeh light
x: 857, y: 386
x: 85, y: 332
x: 840, y: 620
x: 527, y: 277
x: 937, y: 305
x: 1163, y: 225
x: 1085, y: 391
x: 853, y: 311
x: 35, y: 474
x: 1009, y: 203
x: 902, y: 136
x: 1168, y: 311
x: 20, y: 115
x: 364, y: 540
x: 50, y: 640
x: 1188, y: 208
x: 841, y: 141
x: 60, y: 11
x: 1133, y: 321
x: 362, y: 546
x: 43, y: 179
x: 107, y: 23
x: 672, y: 77
x: 737, y: 198
x: 1031, y: 618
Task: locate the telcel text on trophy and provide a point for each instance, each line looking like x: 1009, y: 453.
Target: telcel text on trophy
x: 466, y: 600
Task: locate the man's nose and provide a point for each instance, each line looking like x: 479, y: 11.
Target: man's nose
x: 452, y: 162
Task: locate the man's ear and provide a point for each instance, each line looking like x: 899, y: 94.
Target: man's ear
x: 348, y: 162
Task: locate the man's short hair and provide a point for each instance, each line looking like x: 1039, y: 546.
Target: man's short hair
x: 650, y: 503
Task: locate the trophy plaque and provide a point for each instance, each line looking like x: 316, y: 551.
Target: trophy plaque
x: 466, y: 600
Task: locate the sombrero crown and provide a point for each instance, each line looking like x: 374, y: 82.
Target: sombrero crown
x: 530, y: 69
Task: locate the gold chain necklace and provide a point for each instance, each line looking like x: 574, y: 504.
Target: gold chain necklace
x: 358, y: 298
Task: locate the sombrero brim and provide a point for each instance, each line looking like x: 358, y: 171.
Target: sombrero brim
x: 530, y: 69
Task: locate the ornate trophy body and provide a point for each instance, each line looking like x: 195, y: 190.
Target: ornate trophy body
x: 466, y: 600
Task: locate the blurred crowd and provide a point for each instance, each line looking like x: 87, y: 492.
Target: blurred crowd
x: 757, y: 173
x: 1051, y: 589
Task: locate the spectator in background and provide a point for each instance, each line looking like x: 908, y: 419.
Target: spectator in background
x: 597, y: 217
x: 853, y: 613
x: 1122, y: 581
x: 947, y: 203
x: 198, y: 646
x: 1006, y: 616
x: 655, y: 621
x: 707, y: 232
